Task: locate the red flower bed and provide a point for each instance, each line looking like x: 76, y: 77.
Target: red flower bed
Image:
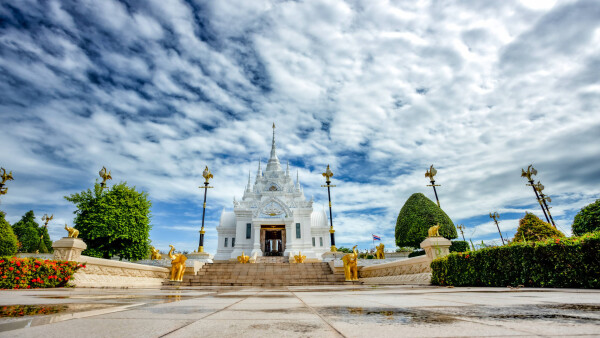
x: 27, y: 273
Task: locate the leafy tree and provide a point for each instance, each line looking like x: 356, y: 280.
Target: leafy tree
x: 8, y: 240
x: 114, y: 222
x: 587, y: 219
x: 28, y: 232
x: 533, y: 229
x: 459, y: 246
x: 344, y: 250
x: 417, y: 215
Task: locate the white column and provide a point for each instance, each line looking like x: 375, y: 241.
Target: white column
x: 256, y: 240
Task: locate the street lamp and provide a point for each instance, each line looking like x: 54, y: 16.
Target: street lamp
x: 539, y: 188
x: 207, y: 175
x: 5, y: 177
x: 328, y: 174
x: 461, y: 228
x: 45, y: 219
x: 430, y: 173
x: 105, y: 175
x: 527, y: 174
x: 495, y: 217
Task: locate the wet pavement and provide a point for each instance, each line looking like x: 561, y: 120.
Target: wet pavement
x: 326, y: 311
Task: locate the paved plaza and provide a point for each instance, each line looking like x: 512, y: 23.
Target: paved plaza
x: 318, y: 311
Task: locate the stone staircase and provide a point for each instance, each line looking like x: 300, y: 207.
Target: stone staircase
x: 272, y: 259
x: 264, y: 274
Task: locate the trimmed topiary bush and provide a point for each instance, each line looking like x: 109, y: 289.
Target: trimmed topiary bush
x: 531, y: 228
x: 587, y: 219
x: 556, y: 262
x: 417, y: 215
x: 459, y: 246
x: 8, y: 240
x: 27, y: 273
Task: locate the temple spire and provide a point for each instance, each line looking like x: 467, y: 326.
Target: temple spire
x: 259, y: 172
x: 297, y: 179
x: 273, y: 164
x: 248, y: 186
x: 287, y: 169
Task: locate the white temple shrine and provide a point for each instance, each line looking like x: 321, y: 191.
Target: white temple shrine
x: 273, y: 218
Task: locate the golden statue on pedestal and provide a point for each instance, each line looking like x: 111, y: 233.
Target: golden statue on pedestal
x: 177, y: 265
x: 299, y: 258
x: 73, y: 233
x: 243, y: 259
x: 155, y: 253
x: 434, y: 231
x: 380, y: 254
x: 350, y: 265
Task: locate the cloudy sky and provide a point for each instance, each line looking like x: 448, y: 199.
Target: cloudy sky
x: 155, y: 90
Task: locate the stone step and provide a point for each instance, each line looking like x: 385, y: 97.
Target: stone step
x: 269, y: 273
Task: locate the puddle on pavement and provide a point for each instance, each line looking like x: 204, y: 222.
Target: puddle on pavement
x: 556, y: 313
x: 385, y: 315
x: 30, y: 310
x: 19, y: 316
x: 135, y: 298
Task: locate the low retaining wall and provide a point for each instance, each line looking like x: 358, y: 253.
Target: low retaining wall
x: 408, y: 271
x: 116, y: 274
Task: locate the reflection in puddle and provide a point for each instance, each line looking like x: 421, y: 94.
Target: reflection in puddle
x: 20, y: 316
x: 385, y: 315
x: 30, y: 310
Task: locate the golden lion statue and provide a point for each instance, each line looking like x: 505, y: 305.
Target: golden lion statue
x: 73, y: 233
x: 155, y: 253
x: 177, y: 265
x: 434, y: 231
x: 380, y: 254
x: 243, y: 259
x: 350, y: 265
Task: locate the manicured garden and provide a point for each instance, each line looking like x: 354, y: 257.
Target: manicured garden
x: 29, y: 273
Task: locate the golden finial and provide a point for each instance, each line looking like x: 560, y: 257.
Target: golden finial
x: 530, y: 171
x: 207, y: 174
x: 47, y: 219
x: 431, y: 172
x: 105, y: 175
x: 328, y: 174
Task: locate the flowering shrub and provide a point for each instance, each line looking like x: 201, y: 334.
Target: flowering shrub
x: 27, y: 273
x: 555, y: 262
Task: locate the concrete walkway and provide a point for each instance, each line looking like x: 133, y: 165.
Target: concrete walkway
x: 324, y: 311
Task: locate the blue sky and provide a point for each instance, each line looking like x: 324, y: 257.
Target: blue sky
x: 155, y: 90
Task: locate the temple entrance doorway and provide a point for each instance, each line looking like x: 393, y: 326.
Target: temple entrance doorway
x: 272, y: 240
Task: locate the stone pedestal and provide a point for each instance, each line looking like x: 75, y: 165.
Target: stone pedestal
x: 436, y: 247
x: 332, y: 256
x: 203, y: 257
x: 68, y: 249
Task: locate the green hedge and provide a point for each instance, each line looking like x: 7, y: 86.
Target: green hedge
x: 459, y: 246
x: 28, y: 273
x: 557, y: 262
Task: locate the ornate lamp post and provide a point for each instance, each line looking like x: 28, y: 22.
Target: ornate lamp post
x: 105, y: 175
x: 527, y: 174
x: 328, y: 174
x: 461, y: 228
x: 543, y: 198
x: 5, y: 177
x: 45, y: 219
x: 495, y: 217
x: 207, y: 175
x: 430, y: 173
